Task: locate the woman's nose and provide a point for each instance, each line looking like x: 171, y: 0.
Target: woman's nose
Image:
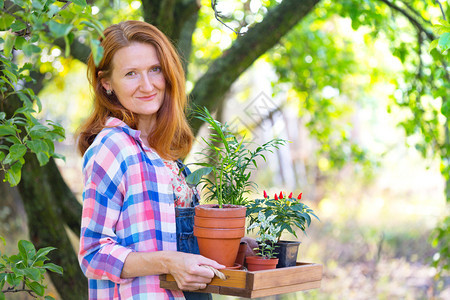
x: 146, y: 83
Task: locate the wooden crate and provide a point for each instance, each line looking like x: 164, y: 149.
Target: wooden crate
x: 255, y: 284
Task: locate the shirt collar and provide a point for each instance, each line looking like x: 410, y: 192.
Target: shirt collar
x: 114, y: 122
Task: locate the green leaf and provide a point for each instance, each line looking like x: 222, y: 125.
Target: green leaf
x: 16, y: 152
x: 49, y: 298
x: 81, y: 3
x: 14, y: 174
x: 10, y: 75
x: 445, y: 109
x: 32, y: 273
x: 97, y: 51
x: 2, y: 296
x: 27, y: 250
x: 67, y: 49
x: 195, y: 177
x: 29, y: 49
x: 7, y: 130
x: 38, y: 131
x: 6, y: 21
x: 18, y: 26
x: 433, y: 45
x: 37, y: 288
x: 53, y: 9
x: 59, y: 30
x: 43, y: 158
x: 444, y: 41
x: 37, y: 146
x: 41, y: 254
x: 98, y: 26
x: 9, y: 44
x: 38, y: 4
x: 54, y: 268
x: 20, y: 42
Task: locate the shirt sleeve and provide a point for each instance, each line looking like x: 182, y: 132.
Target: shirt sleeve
x: 101, y: 256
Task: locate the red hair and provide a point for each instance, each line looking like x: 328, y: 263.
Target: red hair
x: 171, y: 137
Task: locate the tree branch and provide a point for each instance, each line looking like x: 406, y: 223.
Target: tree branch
x: 212, y: 86
x: 217, y: 15
x: 411, y: 19
x: 442, y: 9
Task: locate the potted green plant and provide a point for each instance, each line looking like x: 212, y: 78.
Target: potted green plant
x: 225, y: 174
x: 266, y: 237
x: 288, y: 213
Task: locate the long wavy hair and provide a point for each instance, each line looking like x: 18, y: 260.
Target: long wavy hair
x: 171, y: 137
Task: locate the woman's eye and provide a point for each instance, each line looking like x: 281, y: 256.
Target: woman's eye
x: 156, y: 69
x: 131, y: 73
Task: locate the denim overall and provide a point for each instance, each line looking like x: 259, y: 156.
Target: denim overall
x: 186, y: 241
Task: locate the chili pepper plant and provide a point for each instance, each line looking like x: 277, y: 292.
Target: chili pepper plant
x: 287, y: 212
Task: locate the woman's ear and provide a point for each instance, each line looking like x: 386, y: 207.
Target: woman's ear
x: 106, y: 83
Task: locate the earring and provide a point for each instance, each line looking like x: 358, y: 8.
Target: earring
x: 109, y: 92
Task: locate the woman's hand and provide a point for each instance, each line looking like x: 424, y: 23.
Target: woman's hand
x: 187, y: 270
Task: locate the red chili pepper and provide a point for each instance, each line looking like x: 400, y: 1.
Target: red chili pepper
x: 265, y: 195
x: 299, y: 196
x: 276, y: 197
x: 281, y: 195
x: 290, y: 195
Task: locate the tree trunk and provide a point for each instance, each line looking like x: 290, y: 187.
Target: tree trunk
x: 43, y: 203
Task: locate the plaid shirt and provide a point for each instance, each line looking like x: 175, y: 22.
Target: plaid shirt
x: 128, y: 205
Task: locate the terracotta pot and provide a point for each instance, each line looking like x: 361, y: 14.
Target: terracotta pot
x: 257, y: 263
x: 214, y: 223
x: 241, y: 253
x: 235, y: 267
x: 219, y: 231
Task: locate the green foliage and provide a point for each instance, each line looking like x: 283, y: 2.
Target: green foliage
x: 443, y: 31
x: 327, y: 85
x: 267, y: 235
x: 230, y: 162
x: 24, y: 272
x: 29, y: 26
x: 440, y: 239
x: 288, y: 213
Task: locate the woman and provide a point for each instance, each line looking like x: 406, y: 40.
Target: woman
x: 137, y: 208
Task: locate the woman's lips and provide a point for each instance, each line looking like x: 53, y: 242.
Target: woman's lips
x: 147, y: 98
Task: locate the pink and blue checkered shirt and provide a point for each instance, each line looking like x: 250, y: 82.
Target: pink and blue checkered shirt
x: 128, y: 205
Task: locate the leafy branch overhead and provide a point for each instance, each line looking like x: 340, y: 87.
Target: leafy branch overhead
x: 24, y: 272
x: 28, y: 25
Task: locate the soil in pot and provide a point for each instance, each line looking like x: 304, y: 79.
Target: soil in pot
x: 257, y: 263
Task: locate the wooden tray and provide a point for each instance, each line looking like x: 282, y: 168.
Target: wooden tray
x: 304, y: 276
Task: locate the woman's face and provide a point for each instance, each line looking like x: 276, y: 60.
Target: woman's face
x: 137, y: 81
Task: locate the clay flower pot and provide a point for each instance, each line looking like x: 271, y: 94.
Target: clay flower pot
x: 258, y: 263
x: 219, y: 231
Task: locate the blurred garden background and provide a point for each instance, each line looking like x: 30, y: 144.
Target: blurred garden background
x: 359, y: 89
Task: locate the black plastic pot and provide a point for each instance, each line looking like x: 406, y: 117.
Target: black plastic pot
x: 287, y: 253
